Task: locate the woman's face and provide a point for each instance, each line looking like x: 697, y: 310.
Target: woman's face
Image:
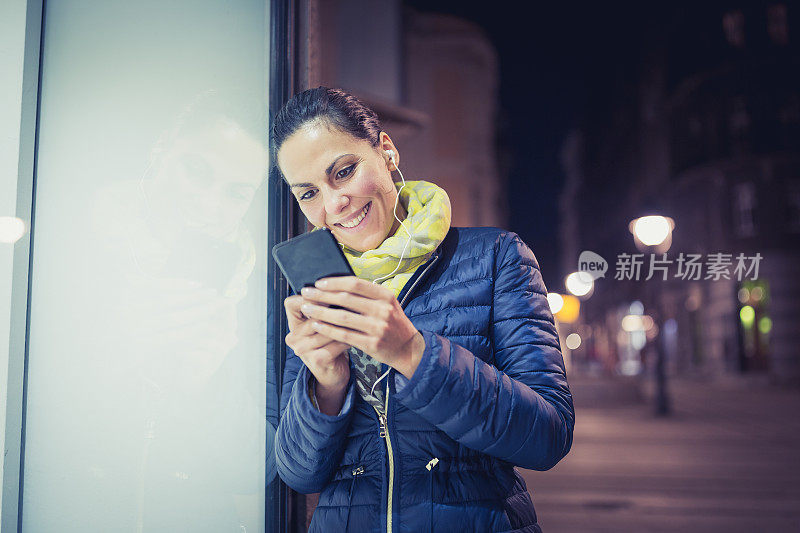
x: 212, y: 175
x: 342, y: 183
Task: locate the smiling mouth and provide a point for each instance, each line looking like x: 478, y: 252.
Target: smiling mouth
x: 356, y: 221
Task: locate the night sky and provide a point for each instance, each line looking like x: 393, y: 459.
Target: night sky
x: 551, y: 55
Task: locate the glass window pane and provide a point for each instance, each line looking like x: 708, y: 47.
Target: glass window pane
x: 151, y: 402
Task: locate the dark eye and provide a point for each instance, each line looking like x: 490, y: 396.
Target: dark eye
x: 346, y: 171
x: 306, y: 195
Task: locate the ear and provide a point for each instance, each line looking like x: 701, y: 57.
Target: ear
x: 385, y: 143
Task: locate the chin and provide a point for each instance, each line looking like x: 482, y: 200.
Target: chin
x: 370, y: 243
x: 361, y: 247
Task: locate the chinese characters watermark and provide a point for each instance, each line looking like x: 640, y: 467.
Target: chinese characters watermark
x: 714, y: 266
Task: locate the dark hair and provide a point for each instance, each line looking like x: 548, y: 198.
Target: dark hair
x: 335, y: 107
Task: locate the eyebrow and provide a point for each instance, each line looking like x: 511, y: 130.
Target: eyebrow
x: 327, y: 171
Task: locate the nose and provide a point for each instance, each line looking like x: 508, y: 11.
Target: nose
x: 335, y: 202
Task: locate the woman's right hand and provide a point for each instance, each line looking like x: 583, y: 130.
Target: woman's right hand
x: 325, y: 358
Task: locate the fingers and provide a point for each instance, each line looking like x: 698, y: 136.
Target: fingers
x: 365, y: 343
x: 304, y: 339
x: 339, y: 317
x: 293, y: 303
x: 293, y: 313
x: 353, y: 302
x: 325, y: 355
x: 318, y: 352
x: 355, y: 285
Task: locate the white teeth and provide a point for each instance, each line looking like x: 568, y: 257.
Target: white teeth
x: 356, y: 221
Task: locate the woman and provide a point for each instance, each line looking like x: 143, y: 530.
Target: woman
x: 409, y: 407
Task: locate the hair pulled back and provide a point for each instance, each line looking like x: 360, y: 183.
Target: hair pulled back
x: 334, y: 107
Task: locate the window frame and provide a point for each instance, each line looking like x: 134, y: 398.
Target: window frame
x: 284, y: 508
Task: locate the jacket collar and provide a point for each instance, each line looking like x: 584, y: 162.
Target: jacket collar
x: 422, y: 270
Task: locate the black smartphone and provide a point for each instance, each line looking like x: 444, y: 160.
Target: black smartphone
x: 308, y: 257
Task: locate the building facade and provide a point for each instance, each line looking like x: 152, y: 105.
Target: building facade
x: 704, y: 129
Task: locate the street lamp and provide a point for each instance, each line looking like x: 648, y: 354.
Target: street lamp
x: 653, y: 233
x: 579, y: 284
x: 556, y: 302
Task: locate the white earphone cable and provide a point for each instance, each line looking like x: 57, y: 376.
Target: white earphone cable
x: 402, y: 254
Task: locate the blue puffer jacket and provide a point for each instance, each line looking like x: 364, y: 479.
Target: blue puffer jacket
x: 490, y: 393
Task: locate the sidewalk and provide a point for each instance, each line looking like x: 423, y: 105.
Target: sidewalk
x: 727, y: 460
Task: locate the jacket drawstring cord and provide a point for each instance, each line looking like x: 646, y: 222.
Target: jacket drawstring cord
x: 432, y: 463
x: 356, y: 472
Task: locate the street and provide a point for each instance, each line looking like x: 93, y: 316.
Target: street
x: 725, y: 461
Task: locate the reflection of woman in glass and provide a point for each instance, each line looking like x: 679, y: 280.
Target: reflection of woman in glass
x: 187, y: 258
x: 409, y: 408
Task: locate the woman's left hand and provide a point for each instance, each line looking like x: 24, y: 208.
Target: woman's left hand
x: 372, y: 320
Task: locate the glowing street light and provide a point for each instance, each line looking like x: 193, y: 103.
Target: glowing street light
x: 573, y: 341
x: 570, y: 309
x: 632, y: 323
x: 653, y: 234
x: 556, y: 302
x: 579, y: 283
x: 653, y: 231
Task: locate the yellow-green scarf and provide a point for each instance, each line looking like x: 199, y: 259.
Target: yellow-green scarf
x: 428, y: 220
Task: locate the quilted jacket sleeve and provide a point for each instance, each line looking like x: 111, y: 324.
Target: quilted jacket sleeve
x: 308, y: 443
x: 518, y: 409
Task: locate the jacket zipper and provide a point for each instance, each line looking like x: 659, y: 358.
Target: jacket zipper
x: 430, y: 466
x: 385, y: 435
x: 382, y: 418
